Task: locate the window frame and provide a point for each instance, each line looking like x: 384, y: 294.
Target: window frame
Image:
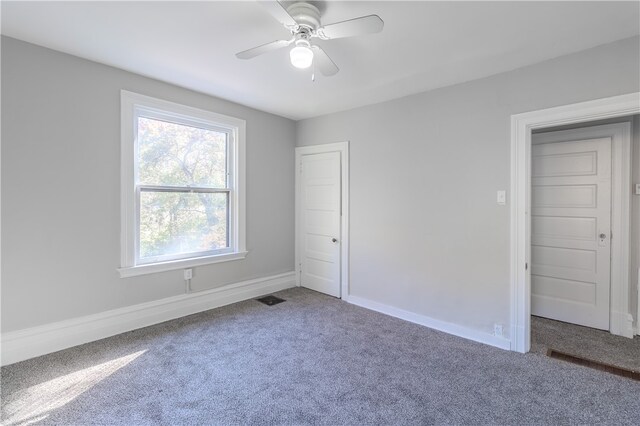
x: 133, y: 106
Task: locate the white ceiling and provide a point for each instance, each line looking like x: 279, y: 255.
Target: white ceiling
x: 424, y: 45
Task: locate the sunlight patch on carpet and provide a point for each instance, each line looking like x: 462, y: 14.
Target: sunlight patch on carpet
x: 33, y: 404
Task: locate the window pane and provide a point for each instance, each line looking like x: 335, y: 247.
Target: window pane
x: 177, y: 155
x: 174, y: 223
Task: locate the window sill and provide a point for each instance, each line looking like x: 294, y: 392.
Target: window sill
x: 152, y: 268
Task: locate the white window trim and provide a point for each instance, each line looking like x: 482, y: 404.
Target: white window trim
x: 237, y: 232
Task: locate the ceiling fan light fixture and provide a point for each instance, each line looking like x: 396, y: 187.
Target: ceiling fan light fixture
x: 301, y: 56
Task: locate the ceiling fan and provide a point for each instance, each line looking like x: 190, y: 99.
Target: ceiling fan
x: 302, y: 19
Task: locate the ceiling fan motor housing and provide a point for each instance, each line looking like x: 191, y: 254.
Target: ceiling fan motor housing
x: 305, y: 14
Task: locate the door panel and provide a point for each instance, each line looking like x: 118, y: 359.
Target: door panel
x: 571, y: 291
x: 320, y: 222
x: 573, y: 228
x: 569, y: 164
x: 570, y: 209
x: 572, y: 196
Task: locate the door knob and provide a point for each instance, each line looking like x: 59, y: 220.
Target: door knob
x: 334, y: 240
x: 602, y: 241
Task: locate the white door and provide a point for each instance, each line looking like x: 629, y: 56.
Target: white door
x: 570, y: 231
x: 320, y: 222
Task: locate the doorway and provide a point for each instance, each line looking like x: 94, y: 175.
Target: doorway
x: 575, y: 206
x: 570, y: 229
x: 521, y: 188
x: 322, y: 207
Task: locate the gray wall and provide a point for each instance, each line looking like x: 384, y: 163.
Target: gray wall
x: 426, y: 233
x: 61, y: 189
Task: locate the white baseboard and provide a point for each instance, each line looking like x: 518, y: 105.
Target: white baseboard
x: 32, y: 342
x: 447, y: 327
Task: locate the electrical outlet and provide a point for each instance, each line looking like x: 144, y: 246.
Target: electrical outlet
x: 497, y: 330
x: 188, y: 274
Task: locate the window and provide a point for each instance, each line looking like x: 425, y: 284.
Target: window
x: 182, y: 186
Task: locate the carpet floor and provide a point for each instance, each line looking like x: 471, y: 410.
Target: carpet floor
x: 310, y: 360
x: 589, y: 343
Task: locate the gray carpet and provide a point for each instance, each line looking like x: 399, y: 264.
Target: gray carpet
x: 310, y: 360
x: 595, y: 345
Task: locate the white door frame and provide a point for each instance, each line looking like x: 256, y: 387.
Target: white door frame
x: 520, y: 230
x: 343, y: 149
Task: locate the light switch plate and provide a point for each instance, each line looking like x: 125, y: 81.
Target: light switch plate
x: 637, y: 192
x: 502, y: 197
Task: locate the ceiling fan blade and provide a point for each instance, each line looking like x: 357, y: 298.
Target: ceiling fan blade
x: 324, y: 63
x: 279, y: 12
x: 353, y: 27
x: 274, y: 45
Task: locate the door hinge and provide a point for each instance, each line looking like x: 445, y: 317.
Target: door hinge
x: 526, y: 266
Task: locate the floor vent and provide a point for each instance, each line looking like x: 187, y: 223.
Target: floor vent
x: 630, y: 374
x: 270, y: 300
